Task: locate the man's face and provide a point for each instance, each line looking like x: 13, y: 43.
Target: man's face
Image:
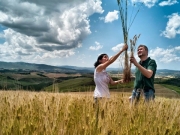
x: 141, y: 52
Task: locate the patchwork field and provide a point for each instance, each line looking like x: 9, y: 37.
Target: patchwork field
x: 57, y: 75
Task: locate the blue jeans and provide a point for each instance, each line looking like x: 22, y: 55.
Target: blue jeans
x: 148, y: 95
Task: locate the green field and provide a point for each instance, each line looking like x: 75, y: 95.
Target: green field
x: 62, y: 82
x: 80, y: 84
x: 19, y: 81
x: 172, y: 87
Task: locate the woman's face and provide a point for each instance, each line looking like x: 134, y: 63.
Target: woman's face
x: 104, y: 59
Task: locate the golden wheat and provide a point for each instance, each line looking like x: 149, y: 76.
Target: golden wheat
x: 25, y: 113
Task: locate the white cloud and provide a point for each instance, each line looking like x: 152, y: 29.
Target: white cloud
x: 96, y: 47
x: 101, y: 18
x: 148, y: 3
x: 177, y: 48
x: 165, y: 55
x: 117, y: 47
x: 37, y: 30
x: 111, y: 16
x: 1, y: 35
x: 120, y: 61
x: 21, y: 47
x: 173, y: 26
x: 168, y: 3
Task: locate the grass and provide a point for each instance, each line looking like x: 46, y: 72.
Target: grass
x: 74, y: 85
x: 83, y: 84
x: 25, y: 113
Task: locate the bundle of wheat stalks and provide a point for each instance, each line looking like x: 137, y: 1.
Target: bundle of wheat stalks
x: 133, y: 45
x: 123, y: 15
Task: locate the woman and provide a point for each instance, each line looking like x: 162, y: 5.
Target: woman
x: 101, y: 78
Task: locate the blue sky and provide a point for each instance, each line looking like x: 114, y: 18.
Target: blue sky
x: 75, y: 32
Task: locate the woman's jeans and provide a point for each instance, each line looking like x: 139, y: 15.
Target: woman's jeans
x: 148, y: 95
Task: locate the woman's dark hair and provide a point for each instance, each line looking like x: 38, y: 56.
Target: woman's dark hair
x: 99, y: 58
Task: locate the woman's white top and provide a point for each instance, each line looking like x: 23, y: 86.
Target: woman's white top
x: 101, y: 80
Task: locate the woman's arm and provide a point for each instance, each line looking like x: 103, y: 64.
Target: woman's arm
x: 112, y: 59
x: 112, y: 82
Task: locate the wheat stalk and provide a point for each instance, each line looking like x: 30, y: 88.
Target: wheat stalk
x: 123, y: 9
x: 133, y: 45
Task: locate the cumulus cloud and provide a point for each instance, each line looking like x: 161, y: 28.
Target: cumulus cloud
x: 96, y: 47
x: 117, y: 47
x: 165, y: 55
x: 24, y: 48
x: 168, y: 3
x: 111, y: 16
x: 101, y: 18
x: 177, y: 48
x: 148, y: 3
x: 173, y: 26
x: 162, y: 56
x: 120, y: 60
x: 41, y: 29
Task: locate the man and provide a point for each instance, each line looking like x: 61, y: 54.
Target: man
x: 144, y: 75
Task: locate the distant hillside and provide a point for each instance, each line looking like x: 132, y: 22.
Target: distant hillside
x: 77, y: 68
x: 160, y: 72
x: 40, y: 67
x: 167, y: 72
x: 113, y: 70
x: 71, y: 69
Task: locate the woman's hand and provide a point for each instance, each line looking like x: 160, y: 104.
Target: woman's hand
x: 122, y: 81
x: 125, y: 47
x: 119, y: 81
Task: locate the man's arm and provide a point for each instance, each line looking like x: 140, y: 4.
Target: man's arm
x: 146, y: 72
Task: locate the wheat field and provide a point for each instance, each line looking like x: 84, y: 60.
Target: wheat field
x: 43, y: 113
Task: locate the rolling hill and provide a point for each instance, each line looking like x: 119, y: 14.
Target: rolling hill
x: 40, y: 67
x: 71, y: 69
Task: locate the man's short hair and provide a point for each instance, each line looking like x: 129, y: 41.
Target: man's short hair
x: 145, y: 47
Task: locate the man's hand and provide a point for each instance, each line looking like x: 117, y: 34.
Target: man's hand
x: 133, y: 60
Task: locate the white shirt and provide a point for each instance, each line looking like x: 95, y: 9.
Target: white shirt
x: 101, y: 80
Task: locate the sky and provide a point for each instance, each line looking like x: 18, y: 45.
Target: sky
x: 76, y: 32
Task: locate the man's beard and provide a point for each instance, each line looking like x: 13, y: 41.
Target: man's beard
x: 140, y: 55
